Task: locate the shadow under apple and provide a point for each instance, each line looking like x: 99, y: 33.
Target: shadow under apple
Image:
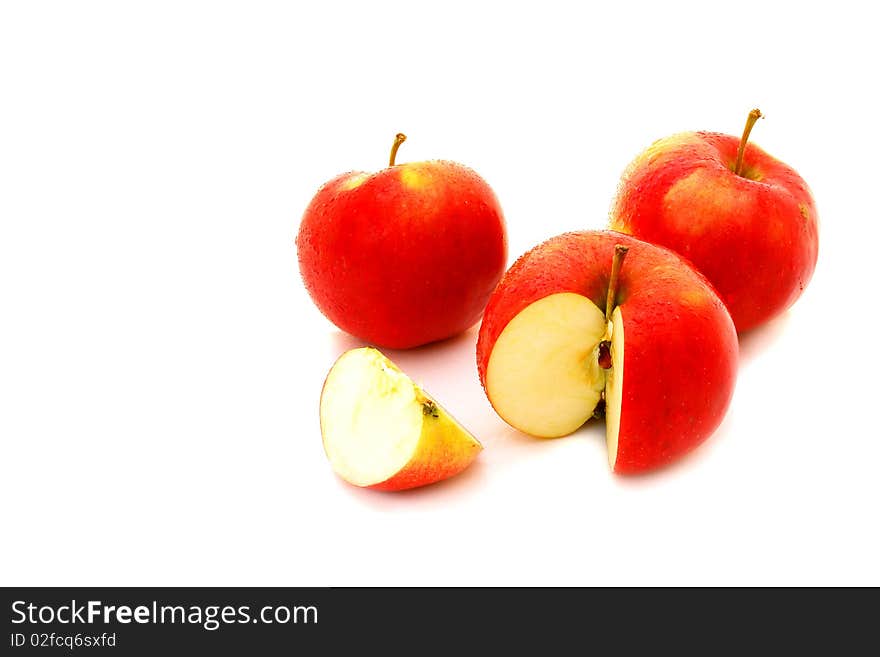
x: 442, y: 491
x: 761, y: 338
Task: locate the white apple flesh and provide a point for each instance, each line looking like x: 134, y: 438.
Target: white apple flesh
x: 543, y: 371
x: 614, y: 387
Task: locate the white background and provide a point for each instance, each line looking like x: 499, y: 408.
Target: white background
x: 160, y: 361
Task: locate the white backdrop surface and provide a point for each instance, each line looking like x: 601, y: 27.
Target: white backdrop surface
x: 160, y: 361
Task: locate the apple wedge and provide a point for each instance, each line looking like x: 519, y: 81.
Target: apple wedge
x: 570, y: 317
x: 381, y: 431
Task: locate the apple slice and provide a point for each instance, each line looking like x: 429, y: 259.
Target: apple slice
x: 614, y: 388
x: 381, y: 431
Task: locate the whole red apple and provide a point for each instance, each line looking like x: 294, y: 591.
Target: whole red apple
x: 573, y: 328
x: 404, y: 256
x: 743, y: 218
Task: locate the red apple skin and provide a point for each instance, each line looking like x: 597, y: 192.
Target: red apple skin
x: 404, y: 256
x: 680, y: 346
x: 754, y: 236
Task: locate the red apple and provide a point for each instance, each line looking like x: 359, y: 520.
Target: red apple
x: 573, y: 324
x: 404, y: 256
x: 381, y: 431
x: 746, y: 220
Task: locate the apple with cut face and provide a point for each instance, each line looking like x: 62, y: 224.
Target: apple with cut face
x: 381, y: 431
x: 404, y: 256
x: 597, y: 317
x: 746, y: 220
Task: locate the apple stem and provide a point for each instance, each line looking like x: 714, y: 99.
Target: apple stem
x: 620, y: 252
x: 399, y: 138
x: 754, y: 115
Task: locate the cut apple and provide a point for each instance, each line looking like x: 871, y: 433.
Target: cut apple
x: 544, y: 370
x: 380, y: 430
x: 551, y: 349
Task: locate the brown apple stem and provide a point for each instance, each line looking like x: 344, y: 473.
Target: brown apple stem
x: 754, y: 115
x: 620, y: 252
x: 399, y: 138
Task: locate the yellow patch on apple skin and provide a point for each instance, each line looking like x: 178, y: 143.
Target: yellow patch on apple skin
x: 662, y: 147
x: 693, y: 203
x: 693, y: 298
x: 749, y: 173
x: 805, y: 211
x: 356, y: 180
x: 414, y: 178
